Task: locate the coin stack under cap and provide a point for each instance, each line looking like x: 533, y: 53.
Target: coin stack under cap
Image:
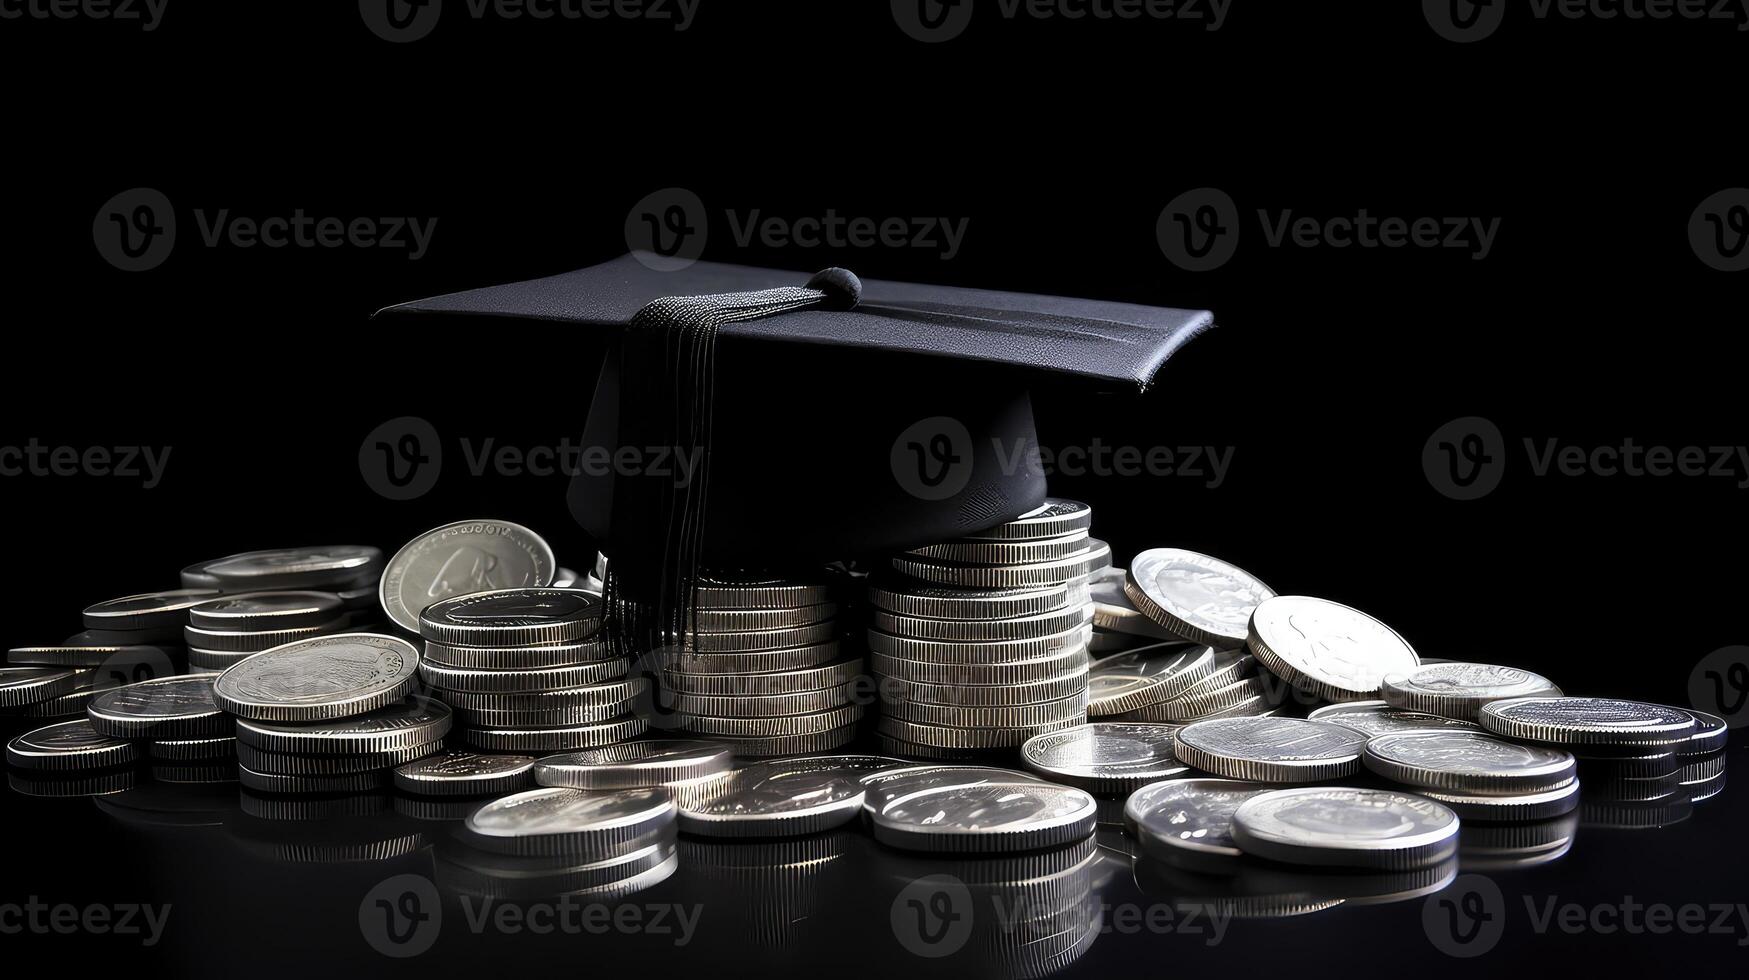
x: 527, y: 670
x: 764, y: 671
x: 981, y: 643
x: 232, y: 627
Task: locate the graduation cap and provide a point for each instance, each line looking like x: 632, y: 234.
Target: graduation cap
x: 770, y: 420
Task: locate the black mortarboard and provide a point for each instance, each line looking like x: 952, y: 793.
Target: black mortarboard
x: 815, y: 418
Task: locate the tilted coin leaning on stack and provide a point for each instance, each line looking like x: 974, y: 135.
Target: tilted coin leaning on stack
x: 979, y: 644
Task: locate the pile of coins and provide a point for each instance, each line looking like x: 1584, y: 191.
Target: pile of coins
x: 330, y: 714
x: 347, y: 572
x: 979, y: 644
x: 527, y: 670
x: 764, y: 672
x: 232, y: 628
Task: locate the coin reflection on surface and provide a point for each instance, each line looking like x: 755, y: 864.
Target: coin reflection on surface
x: 775, y: 887
x: 1018, y: 916
x: 50, y: 786
x: 162, y: 805
x: 507, y: 877
x: 1510, y: 846
x: 322, y: 830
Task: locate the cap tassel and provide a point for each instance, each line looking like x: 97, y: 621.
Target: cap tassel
x: 667, y: 398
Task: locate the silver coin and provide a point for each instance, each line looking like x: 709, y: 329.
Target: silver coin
x: 557, y: 822
x: 1344, y: 826
x: 1149, y: 675
x: 513, y: 617
x: 151, y: 610
x: 518, y: 658
x: 266, y: 611
x: 70, y: 655
x: 1113, y: 610
x: 1710, y: 735
x: 69, y: 745
x: 777, y: 799
x: 752, y: 661
x: 1203, y: 702
x: 987, y: 818
x: 748, y: 641
x: 1189, y: 819
x: 1056, y: 516
x: 253, y: 641
x: 813, y: 723
x: 1072, y: 661
x: 1459, y: 690
x: 1015, y: 552
x: 557, y: 716
x: 193, y: 749
x: 417, y: 721
x: 165, y: 707
x: 743, y: 620
x: 1588, y: 721
x: 459, y: 559
x: 320, y: 679
x: 1327, y: 649
x: 1377, y: 718
x: 1467, y: 762
x: 775, y: 682
x: 65, y: 706
x: 1095, y: 556
x: 1021, y: 628
x: 1105, y: 757
x: 290, y: 764
x: 1066, y: 710
x: 289, y: 568
x: 21, y: 686
x: 719, y: 591
x: 653, y: 763
x: 757, y: 747
x: 758, y: 706
x: 562, y: 738
x: 1052, y: 688
x: 905, y: 778
x: 1498, y: 808
x: 980, y: 652
x: 609, y: 692
x: 464, y: 680
x: 922, y: 600
x: 947, y: 737
x: 1195, y: 597
x: 459, y: 773
x: 1271, y: 750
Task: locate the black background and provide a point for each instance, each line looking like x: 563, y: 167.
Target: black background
x: 1592, y: 321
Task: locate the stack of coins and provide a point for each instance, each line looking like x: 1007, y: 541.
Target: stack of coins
x: 525, y: 670
x: 1177, y: 683
x: 43, y: 691
x: 233, y: 627
x: 981, y: 643
x: 764, y: 672
x: 348, y: 572
x: 586, y: 846
x: 330, y: 714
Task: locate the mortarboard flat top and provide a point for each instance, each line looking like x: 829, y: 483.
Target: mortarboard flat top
x: 1105, y: 341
